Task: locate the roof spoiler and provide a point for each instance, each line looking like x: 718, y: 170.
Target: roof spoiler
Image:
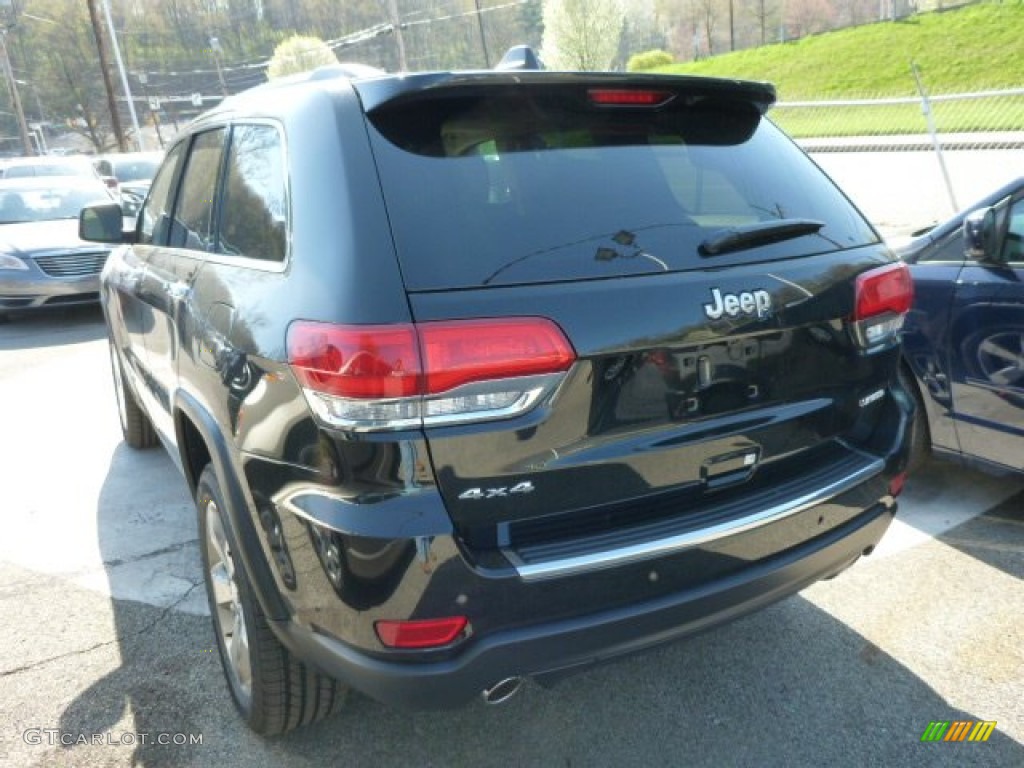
x: 520, y: 57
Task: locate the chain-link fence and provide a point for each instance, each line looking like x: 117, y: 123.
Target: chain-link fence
x: 980, y: 120
x: 911, y: 160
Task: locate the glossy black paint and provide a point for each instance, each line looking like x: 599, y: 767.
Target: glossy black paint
x: 964, y: 337
x: 552, y: 649
x: 340, y: 528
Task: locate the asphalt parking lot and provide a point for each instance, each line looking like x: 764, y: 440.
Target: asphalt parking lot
x: 107, y: 650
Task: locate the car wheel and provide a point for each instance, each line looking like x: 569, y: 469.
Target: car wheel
x: 996, y: 356
x: 136, y: 427
x: 920, y: 433
x: 273, y: 691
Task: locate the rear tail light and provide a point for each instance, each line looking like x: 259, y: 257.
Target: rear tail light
x: 882, y: 298
x: 628, y: 97
x: 429, y: 633
x: 410, y: 375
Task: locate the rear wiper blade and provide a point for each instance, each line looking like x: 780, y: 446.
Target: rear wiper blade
x: 762, y: 233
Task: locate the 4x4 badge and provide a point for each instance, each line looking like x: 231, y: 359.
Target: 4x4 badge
x: 494, y: 493
x: 734, y: 304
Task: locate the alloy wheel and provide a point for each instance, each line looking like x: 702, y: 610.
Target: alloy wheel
x: 230, y: 616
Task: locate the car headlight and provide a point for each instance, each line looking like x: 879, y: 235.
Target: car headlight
x: 11, y: 262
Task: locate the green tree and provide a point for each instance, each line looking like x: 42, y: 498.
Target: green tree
x: 63, y: 65
x: 640, y: 62
x: 582, y: 34
x: 531, y: 20
x: 299, y: 53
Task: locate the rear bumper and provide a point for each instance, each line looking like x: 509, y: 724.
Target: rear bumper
x: 574, y: 643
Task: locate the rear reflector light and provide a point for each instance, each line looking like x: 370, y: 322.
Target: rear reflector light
x: 619, y: 97
x: 430, y: 633
x: 881, y: 298
x: 897, y: 483
x: 409, y: 375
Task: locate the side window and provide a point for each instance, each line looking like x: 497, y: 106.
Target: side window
x: 155, y: 216
x: 254, y: 209
x: 950, y: 249
x: 1013, y: 244
x: 192, y: 227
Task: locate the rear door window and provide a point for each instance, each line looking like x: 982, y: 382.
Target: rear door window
x: 193, y: 220
x: 536, y: 183
x: 254, y: 208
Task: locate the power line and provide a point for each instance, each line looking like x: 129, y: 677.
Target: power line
x: 345, y: 41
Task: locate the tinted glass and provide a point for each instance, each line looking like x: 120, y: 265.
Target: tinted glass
x: 528, y: 185
x: 254, y: 208
x: 1013, y: 244
x: 133, y: 170
x: 950, y: 249
x: 154, y: 220
x: 193, y: 215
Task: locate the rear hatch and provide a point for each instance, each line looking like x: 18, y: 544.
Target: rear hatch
x: 702, y: 271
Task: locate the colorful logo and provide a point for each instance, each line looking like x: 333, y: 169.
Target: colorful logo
x: 958, y: 730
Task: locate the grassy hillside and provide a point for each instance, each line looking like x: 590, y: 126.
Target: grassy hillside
x: 975, y: 48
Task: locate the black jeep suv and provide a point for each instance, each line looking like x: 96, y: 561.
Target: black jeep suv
x: 492, y: 375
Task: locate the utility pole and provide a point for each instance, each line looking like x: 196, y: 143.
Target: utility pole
x: 124, y: 78
x: 26, y: 142
x: 216, y: 50
x: 101, y: 48
x: 154, y: 106
x: 732, y: 28
x: 483, y: 39
x: 396, y: 25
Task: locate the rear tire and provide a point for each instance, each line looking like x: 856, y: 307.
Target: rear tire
x: 272, y: 690
x: 920, y: 432
x: 136, y: 428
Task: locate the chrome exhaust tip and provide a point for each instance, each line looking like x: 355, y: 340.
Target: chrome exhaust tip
x: 502, y: 691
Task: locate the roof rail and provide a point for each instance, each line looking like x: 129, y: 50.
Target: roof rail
x: 350, y: 70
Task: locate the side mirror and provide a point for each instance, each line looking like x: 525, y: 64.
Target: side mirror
x: 980, y: 235
x: 103, y: 223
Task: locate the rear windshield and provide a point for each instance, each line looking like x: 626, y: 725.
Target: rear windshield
x: 534, y: 184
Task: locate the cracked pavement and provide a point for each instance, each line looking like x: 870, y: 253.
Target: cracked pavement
x: 105, y: 633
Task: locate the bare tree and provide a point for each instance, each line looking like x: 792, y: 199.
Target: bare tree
x: 64, y: 65
x: 806, y: 17
x: 706, y: 14
x: 763, y: 11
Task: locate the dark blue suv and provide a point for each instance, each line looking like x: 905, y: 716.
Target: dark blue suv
x: 492, y: 375
x: 964, y: 336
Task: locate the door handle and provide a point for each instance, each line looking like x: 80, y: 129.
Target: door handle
x: 177, y: 291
